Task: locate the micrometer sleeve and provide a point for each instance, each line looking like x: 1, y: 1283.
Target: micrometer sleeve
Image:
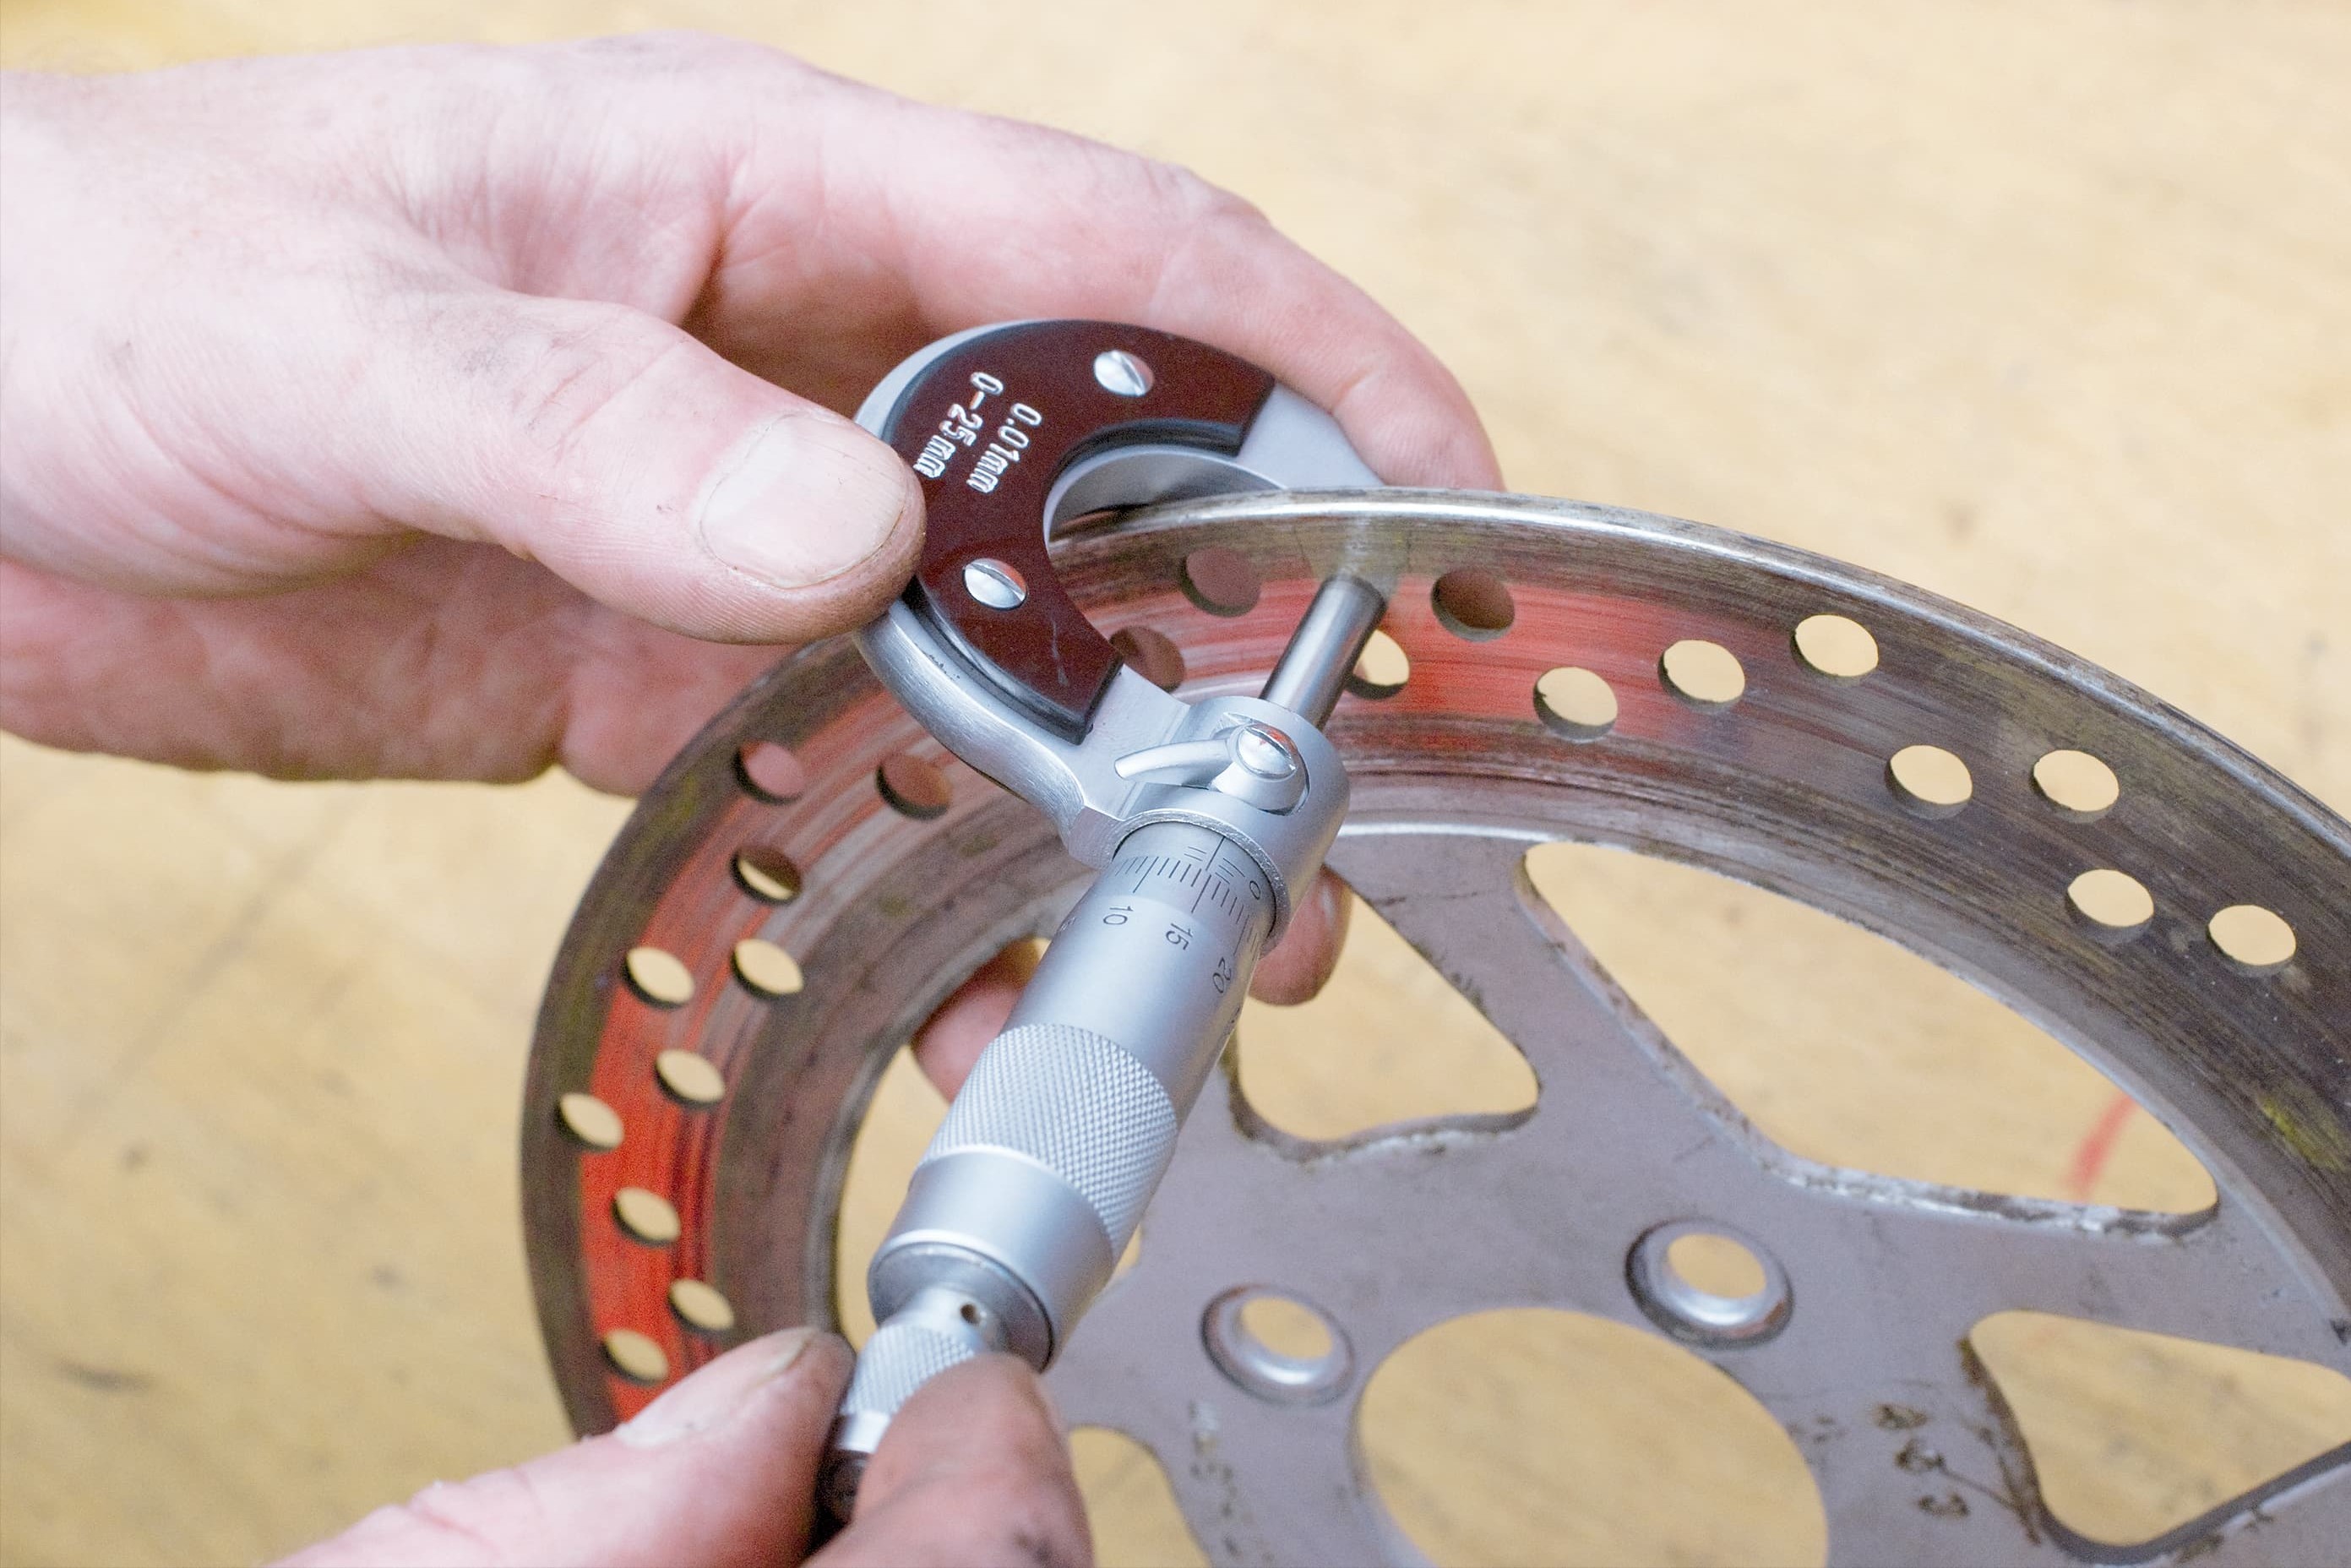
x: 1039, y: 1176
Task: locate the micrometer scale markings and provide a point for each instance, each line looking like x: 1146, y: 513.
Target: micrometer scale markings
x: 1207, y: 883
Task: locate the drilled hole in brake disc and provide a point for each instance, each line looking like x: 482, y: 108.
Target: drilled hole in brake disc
x: 1757, y: 755
x: 1706, y: 1284
x: 1273, y: 1345
x: 1382, y: 670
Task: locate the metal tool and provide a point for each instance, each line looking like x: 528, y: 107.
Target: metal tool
x: 888, y: 896
x: 1211, y: 815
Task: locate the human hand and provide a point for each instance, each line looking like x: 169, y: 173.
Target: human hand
x: 721, y: 1469
x: 423, y: 411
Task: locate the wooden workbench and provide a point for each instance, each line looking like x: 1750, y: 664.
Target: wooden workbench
x: 2042, y: 306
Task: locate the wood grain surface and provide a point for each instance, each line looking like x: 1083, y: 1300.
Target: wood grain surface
x: 2040, y: 306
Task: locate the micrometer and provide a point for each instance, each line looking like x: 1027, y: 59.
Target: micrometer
x: 1207, y: 820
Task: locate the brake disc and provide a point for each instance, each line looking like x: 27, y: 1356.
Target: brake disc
x: 762, y: 937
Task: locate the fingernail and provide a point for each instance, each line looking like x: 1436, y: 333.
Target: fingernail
x: 805, y: 499
x: 711, y: 1396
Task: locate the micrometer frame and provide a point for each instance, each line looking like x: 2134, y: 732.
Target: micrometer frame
x: 936, y: 650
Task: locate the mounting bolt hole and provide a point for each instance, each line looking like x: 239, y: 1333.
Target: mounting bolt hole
x: 1707, y: 675
x: 1576, y: 703
x: 1929, y: 781
x: 1276, y: 1346
x: 1220, y: 581
x: 914, y: 787
x: 1382, y: 669
x: 1709, y: 1261
x: 1473, y: 604
x: 1286, y: 1327
x: 1709, y: 1284
x: 1152, y: 655
x: 770, y: 772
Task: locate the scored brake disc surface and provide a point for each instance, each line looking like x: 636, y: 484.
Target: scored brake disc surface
x: 679, y: 1203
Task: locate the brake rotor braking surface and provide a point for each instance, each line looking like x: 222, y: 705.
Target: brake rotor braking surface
x: 1456, y: 775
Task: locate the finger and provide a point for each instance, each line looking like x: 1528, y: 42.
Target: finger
x: 637, y: 464
x: 973, y: 1471
x: 720, y: 1469
x: 1302, y: 962
x: 946, y: 1046
x: 351, y: 678
x: 1071, y: 228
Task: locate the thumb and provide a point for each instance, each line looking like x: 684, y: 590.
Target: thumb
x: 648, y: 472
x: 1306, y: 958
x: 720, y: 1469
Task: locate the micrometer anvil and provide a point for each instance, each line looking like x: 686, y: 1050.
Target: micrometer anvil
x: 1206, y: 819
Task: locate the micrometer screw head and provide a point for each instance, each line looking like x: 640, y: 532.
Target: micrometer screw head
x: 1119, y: 371
x: 994, y: 583
x: 1265, y: 752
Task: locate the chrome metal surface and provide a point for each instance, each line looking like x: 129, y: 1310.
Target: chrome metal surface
x: 1454, y: 776
x: 1269, y: 1374
x: 1313, y: 670
x: 1689, y: 1311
